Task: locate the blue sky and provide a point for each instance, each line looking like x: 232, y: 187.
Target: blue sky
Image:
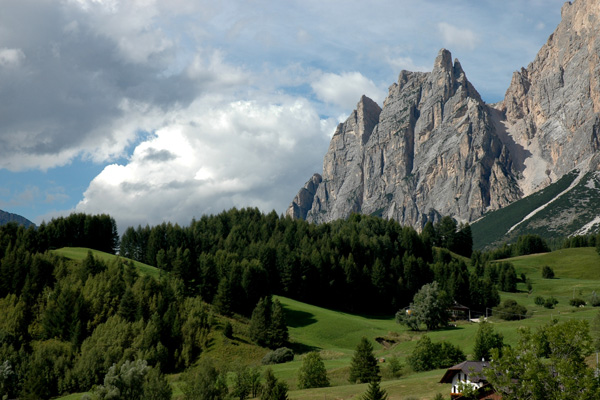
x: 158, y: 111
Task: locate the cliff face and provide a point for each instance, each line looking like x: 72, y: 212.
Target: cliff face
x: 437, y: 149
x: 551, y: 108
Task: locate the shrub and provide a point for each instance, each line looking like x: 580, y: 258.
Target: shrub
x: 510, y: 310
x: 539, y: 300
x: 428, y: 355
x: 278, y: 356
x: 394, y: 367
x: 312, y: 372
x: 547, y: 272
x: 577, y: 302
x: 550, y: 302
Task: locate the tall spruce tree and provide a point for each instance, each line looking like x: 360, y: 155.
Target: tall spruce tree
x: 279, y: 335
x: 375, y: 392
x: 260, y: 322
x: 364, y: 366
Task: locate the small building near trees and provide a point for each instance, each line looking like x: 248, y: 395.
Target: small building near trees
x: 470, y: 374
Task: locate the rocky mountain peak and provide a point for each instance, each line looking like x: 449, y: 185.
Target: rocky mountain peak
x: 367, y: 116
x: 435, y: 148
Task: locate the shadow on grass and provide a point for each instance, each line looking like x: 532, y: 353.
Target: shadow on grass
x: 301, y: 348
x: 452, y: 327
x: 298, y: 319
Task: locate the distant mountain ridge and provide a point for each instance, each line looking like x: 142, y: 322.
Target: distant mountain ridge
x: 6, y: 217
x: 436, y: 148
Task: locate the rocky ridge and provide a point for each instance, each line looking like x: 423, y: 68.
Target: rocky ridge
x: 436, y: 148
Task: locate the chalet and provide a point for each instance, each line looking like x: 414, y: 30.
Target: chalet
x: 458, y: 311
x: 470, y: 373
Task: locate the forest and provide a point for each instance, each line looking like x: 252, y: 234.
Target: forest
x: 65, y: 323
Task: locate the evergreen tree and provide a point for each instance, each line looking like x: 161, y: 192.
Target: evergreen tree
x: 312, y: 373
x: 278, y: 335
x: 364, y: 366
x: 375, y: 392
x: 224, y: 298
x: 260, y: 322
x: 128, y: 306
x: 273, y: 389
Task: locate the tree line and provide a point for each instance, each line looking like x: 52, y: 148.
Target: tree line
x: 239, y: 256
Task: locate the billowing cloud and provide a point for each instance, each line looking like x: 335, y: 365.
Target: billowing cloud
x: 193, y: 106
x: 458, y: 38
x: 345, y: 89
x: 243, y: 153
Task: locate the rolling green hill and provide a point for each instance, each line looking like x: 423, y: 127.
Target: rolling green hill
x: 80, y: 253
x: 335, y: 334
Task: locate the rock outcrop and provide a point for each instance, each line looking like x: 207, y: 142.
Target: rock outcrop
x: 551, y: 109
x: 436, y: 148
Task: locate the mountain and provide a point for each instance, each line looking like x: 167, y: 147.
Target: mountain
x: 6, y: 217
x: 436, y: 148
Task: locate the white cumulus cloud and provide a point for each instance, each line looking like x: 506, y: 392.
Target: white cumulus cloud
x: 211, y: 158
x: 345, y: 89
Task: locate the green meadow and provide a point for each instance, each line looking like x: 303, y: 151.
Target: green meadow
x: 80, y: 253
x: 335, y: 334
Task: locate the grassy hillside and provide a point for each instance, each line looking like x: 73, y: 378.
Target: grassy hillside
x: 80, y: 253
x: 335, y: 334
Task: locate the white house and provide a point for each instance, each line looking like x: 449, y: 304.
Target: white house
x: 469, y: 373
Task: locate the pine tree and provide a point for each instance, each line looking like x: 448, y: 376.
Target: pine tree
x: 260, y: 322
x: 364, y: 366
x: 224, y: 298
x: 128, y: 306
x: 273, y: 389
x: 375, y: 392
x: 278, y: 333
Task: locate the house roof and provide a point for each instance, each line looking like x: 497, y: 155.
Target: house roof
x: 471, y: 368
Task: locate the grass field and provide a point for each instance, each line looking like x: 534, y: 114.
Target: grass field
x: 80, y: 253
x: 335, y: 334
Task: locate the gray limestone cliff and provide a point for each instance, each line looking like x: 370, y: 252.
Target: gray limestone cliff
x: 435, y: 148
x: 551, y: 110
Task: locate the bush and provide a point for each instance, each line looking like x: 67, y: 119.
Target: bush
x: 278, y: 356
x: 547, y: 272
x: 539, y: 300
x: 394, y: 367
x: 312, y: 372
x: 550, y: 302
x: 577, y: 302
x: 428, y: 355
x: 510, y: 310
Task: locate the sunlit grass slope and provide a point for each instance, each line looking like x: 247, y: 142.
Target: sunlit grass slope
x: 335, y: 334
x: 80, y: 253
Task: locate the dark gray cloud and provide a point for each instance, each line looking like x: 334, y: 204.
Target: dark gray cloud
x: 154, y: 155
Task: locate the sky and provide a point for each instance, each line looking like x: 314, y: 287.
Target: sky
x: 167, y: 110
